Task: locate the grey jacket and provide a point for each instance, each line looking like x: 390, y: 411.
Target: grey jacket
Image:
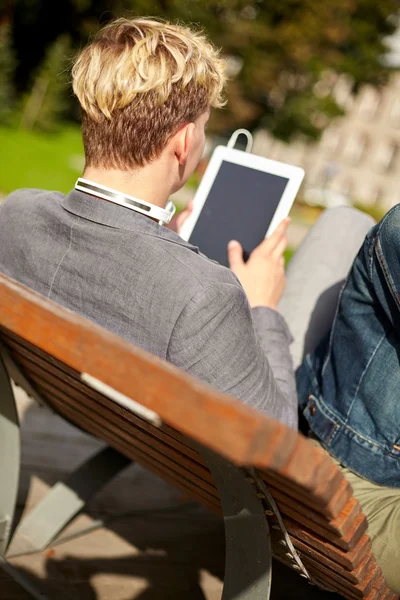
x: 138, y: 279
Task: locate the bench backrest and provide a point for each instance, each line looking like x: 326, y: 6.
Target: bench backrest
x: 94, y: 379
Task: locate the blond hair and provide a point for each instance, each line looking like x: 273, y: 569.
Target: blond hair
x: 138, y: 82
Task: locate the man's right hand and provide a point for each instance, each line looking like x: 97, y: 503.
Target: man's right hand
x: 263, y: 275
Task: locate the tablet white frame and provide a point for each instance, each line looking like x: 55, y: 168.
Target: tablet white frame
x: 238, y: 157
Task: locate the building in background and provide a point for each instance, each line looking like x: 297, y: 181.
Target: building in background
x: 358, y: 156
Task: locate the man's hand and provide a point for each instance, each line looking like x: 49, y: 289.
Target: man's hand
x: 263, y: 275
x: 177, y: 221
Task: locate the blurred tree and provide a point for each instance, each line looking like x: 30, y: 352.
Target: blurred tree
x: 278, y: 51
x: 48, y: 99
x: 7, y: 63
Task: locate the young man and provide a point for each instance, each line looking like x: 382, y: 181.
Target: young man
x: 146, y: 88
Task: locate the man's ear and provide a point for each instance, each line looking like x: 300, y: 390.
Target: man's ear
x: 184, y: 142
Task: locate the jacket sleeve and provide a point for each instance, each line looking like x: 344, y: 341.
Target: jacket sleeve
x: 215, y: 339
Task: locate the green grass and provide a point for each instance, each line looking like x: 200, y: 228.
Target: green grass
x: 376, y: 212
x: 48, y: 161
x: 288, y: 254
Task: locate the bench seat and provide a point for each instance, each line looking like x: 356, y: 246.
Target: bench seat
x: 192, y: 436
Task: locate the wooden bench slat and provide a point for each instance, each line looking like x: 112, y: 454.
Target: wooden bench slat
x: 323, y: 519
x: 191, y: 490
x: 342, y: 525
x: 355, y: 576
x: 330, y: 497
x: 349, y: 559
x: 150, y: 462
x: 86, y: 393
x: 308, y: 465
x: 189, y: 473
x: 50, y: 385
x: 379, y: 590
x: 373, y: 585
x: 321, y: 556
x: 20, y: 345
x: 216, y: 420
x: 38, y: 367
x: 200, y: 474
x: 334, y: 531
x: 344, y: 582
x: 22, y: 350
x: 305, y: 499
x: 190, y: 466
x: 341, y: 586
x: 83, y: 390
x: 77, y: 385
x: 19, y: 352
x: 346, y: 543
x: 388, y: 594
x: 76, y: 415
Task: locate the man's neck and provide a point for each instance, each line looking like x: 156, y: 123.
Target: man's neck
x: 148, y: 183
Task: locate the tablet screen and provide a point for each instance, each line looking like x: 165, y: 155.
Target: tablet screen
x: 239, y: 206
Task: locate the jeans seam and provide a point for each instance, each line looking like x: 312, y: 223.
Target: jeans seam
x: 371, y: 259
x: 328, y: 354
x: 329, y: 414
x: 333, y: 432
x: 388, y: 277
x: 362, y: 376
x: 311, y: 371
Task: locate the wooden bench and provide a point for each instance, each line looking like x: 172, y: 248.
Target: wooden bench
x: 272, y: 485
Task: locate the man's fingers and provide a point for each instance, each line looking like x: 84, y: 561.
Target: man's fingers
x: 269, y: 244
x: 280, y: 232
x: 235, y: 254
x: 280, y: 247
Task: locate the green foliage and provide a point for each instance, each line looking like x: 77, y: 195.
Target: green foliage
x: 288, y: 254
x: 48, y: 99
x: 7, y: 63
x: 376, y: 212
x: 31, y: 159
x: 281, y: 50
x: 286, y: 48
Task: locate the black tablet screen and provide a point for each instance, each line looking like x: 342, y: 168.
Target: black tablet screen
x: 240, y: 206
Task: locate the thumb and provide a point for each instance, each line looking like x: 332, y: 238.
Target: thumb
x: 235, y: 254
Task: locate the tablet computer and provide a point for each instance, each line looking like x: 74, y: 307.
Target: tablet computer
x: 241, y: 197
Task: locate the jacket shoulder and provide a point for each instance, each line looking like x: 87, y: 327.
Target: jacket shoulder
x: 26, y: 195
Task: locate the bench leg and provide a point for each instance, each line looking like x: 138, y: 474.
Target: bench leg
x: 10, y: 456
x: 45, y: 521
x: 248, y: 542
